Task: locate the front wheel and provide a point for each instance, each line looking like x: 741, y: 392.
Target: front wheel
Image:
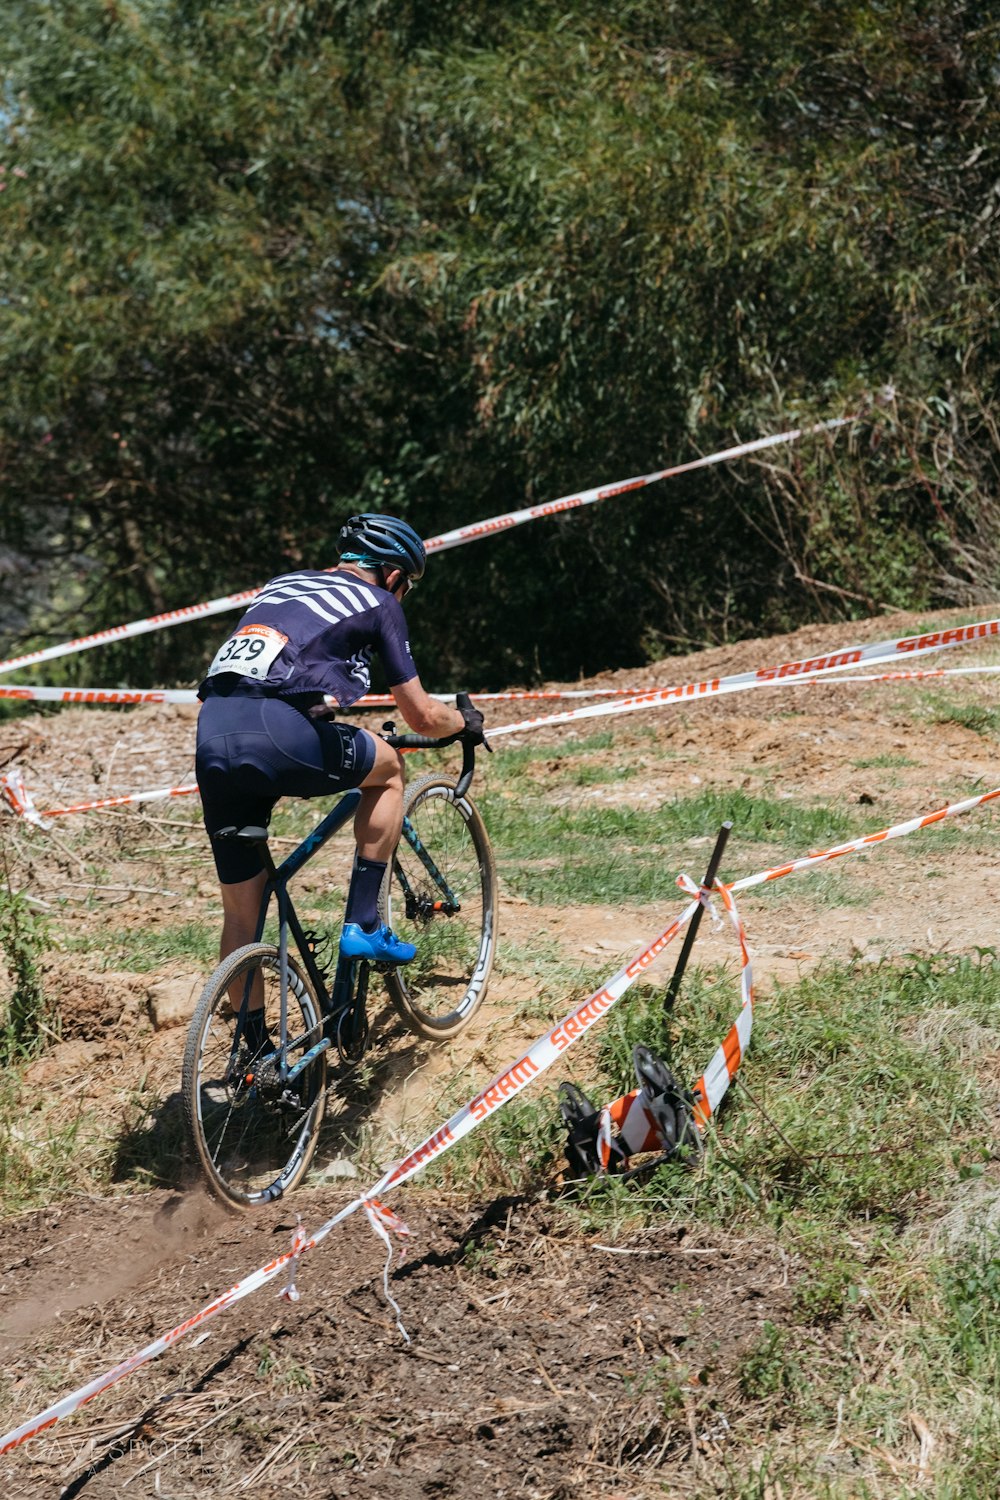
x: 254, y: 1132
x: 441, y: 894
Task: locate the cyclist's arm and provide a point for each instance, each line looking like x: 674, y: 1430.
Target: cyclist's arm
x: 424, y: 714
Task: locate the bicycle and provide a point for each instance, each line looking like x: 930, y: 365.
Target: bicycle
x: 254, y: 1119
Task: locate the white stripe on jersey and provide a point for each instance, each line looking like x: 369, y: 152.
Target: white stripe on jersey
x: 344, y: 599
x: 300, y: 581
x: 293, y: 586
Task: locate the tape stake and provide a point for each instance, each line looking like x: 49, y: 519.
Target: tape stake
x: 673, y: 987
x: 290, y: 1292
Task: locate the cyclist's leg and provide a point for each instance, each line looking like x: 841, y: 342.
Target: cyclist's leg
x: 351, y: 757
x: 376, y: 831
x: 240, y: 910
x: 377, y: 826
x: 235, y: 792
x: 379, y: 818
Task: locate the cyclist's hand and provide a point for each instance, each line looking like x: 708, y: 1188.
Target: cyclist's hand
x: 474, y: 724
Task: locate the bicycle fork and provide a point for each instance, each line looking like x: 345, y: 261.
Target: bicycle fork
x: 418, y: 908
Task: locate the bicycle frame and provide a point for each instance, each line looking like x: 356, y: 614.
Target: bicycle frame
x: 276, y: 886
x: 350, y: 982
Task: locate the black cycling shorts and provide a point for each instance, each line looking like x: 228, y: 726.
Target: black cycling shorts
x: 253, y: 750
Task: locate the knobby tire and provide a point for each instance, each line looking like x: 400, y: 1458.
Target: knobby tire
x: 252, y: 1145
x: 440, y: 991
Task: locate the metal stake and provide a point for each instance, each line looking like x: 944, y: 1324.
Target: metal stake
x: 693, y: 925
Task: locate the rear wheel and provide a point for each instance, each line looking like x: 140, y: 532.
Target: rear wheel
x: 254, y: 1135
x: 441, y: 894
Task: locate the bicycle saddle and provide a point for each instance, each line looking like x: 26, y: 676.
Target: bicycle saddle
x: 250, y: 835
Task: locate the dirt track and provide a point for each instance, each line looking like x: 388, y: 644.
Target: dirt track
x: 541, y: 1364
x: 537, y: 1365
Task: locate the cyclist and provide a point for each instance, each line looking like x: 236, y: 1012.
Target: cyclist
x: 266, y: 727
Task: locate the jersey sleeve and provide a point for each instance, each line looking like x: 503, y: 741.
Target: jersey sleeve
x: 394, y: 644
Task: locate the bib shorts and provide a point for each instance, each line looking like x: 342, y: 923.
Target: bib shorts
x: 253, y: 749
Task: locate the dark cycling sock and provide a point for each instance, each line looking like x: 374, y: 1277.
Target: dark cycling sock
x: 362, y: 898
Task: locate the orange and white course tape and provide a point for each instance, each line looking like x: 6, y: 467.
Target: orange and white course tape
x: 806, y: 669
x: 442, y: 543
x: 826, y: 667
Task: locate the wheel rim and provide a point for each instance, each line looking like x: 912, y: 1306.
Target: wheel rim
x: 444, y: 982
x: 256, y: 1138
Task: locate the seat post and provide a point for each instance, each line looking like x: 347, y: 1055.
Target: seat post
x: 267, y: 859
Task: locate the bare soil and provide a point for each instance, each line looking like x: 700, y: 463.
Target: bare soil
x: 541, y: 1361
x: 537, y: 1361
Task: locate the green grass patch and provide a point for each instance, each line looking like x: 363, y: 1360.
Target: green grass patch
x: 15, y: 708
x: 861, y: 1083
x: 872, y: 1112
x: 47, y: 1153
x: 601, y: 775
x: 979, y: 717
x: 25, y: 1011
x: 550, y: 982
x: 512, y: 762
x: 573, y: 764
x: 568, y: 855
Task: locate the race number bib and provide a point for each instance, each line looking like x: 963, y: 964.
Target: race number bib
x: 249, y: 652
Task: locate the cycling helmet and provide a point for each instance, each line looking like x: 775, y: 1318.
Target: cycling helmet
x: 384, y: 541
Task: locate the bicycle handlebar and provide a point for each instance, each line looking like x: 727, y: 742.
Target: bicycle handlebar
x: 427, y: 742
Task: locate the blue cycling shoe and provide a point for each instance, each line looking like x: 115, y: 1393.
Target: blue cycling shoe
x: 381, y: 946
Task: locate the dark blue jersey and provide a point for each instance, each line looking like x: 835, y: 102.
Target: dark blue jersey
x: 314, y: 632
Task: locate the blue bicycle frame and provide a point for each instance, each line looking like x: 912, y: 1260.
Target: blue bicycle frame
x: 344, y: 1001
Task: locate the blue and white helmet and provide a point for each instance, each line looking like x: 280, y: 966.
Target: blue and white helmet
x: 384, y: 541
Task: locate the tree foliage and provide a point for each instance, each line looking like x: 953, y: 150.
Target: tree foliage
x: 266, y: 263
